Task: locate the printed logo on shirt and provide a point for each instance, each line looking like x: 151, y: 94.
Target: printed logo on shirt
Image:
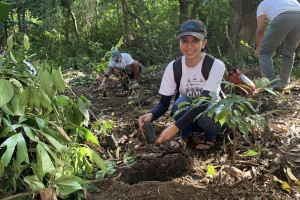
x: 193, y: 87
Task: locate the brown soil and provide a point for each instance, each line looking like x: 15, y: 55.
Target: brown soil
x: 146, y: 171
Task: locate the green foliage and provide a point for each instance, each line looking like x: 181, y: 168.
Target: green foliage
x: 43, y: 133
x: 4, y: 13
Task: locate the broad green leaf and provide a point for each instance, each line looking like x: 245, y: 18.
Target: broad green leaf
x: 44, y: 160
x: 41, y: 122
x: 57, y: 145
x: 26, y: 42
x: 10, y: 42
x: 15, y: 103
x: 10, y: 144
x: 22, y: 152
x: 68, y: 184
x: 44, y: 99
x: 223, y: 116
x: 9, y: 129
x: 24, y: 97
x: 62, y: 100
x: 6, y: 91
x: 36, y: 98
x: 243, y: 126
x: 46, y: 82
x: 58, y: 79
x: 178, y: 112
x: 88, y: 166
x: 51, y: 153
x: 75, y: 116
x: 89, y: 136
x: 184, y: 104
x: 30, y: 134
x: 97, y: 159
x: 34, y: 183
x: 8, y: 109
x: 12, y: 57
x: 83, y: 109
x: 18, y: 85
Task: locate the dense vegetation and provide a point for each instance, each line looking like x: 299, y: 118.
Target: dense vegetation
x: 46, y: 137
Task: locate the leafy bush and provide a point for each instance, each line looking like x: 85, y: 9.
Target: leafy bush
x: 44, y: 139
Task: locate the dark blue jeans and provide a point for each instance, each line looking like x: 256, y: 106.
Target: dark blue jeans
x: 203, y: 123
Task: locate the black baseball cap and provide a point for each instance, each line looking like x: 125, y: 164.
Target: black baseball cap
x: 194, y: 28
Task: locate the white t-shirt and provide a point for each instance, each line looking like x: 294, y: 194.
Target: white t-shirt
x: 192, y: 81
x: 126, y: 59
x: 272, y: 8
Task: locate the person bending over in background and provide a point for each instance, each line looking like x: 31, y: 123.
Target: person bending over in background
x: 284, y: 16
x: 124, y: 66
x: 192, y: 40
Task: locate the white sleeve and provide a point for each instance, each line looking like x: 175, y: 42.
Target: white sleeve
x: 111, y: 64
x: 168, y: 84
x: 129, y: 60
x: 215, y: 76
x: 260, y: 10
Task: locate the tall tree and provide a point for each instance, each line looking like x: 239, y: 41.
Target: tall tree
x: 183, y: 10
x: 241, y: 26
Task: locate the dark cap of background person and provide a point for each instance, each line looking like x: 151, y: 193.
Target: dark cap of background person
x: 194, y: 28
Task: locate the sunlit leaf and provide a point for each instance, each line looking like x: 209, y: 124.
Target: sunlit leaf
x: 89, y: 136
x: 12, y: 57
x: 97, y: 159
x: 26, y: 42
x: 10, y: 42
x: 292, y: 176
x: 284, y: 185
x: 211, y: 170
x: 250, y: 153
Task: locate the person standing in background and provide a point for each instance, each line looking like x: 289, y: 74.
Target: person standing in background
x: 284, y: 16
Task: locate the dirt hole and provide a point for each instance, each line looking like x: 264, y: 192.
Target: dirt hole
x: 158, y: 169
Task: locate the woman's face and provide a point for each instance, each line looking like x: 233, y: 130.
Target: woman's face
x: 191, y: 46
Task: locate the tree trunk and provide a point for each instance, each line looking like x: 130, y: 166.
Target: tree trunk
x: 242, y: 26
x: 183, y: 9
x: 126, y: 26
x: 67, y: 5
x: 196, y: 4
x: 20, y: 16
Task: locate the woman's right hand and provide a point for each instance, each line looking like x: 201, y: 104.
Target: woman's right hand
x: 101, y: 87
x: 146, y: 118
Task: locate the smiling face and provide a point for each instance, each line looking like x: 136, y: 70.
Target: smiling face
x: 191, y: 47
